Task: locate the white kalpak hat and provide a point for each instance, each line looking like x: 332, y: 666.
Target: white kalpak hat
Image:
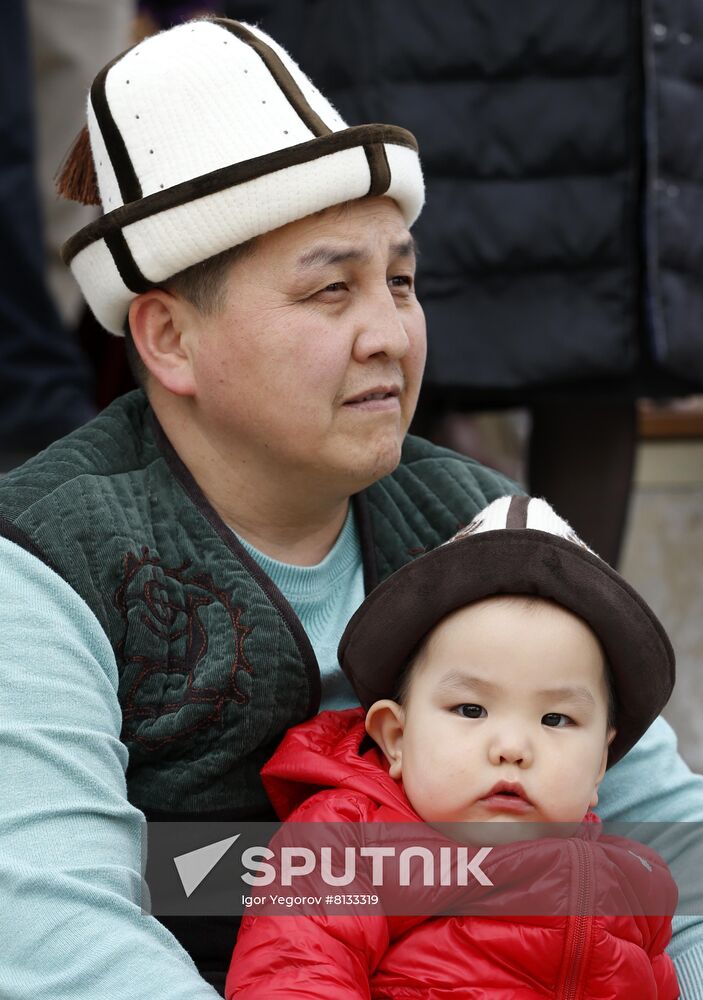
x: 205, y: 136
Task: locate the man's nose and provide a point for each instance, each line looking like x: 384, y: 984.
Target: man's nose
x: 380, y: 329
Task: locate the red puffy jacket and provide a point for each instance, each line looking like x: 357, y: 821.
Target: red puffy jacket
x: 317, y: 774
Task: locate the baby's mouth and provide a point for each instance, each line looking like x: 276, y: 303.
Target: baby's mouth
x: 508, y: 791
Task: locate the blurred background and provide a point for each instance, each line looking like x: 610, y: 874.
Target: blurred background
x: 561, y: 247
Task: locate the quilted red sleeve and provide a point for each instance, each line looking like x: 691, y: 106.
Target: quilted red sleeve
x: 662, y: 965
x: 660, y: 929
x: 665, y: 978
x: 652, y: 895
x: 309, y: 957
x: 306, y: 958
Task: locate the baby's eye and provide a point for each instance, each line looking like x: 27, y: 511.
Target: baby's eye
x: 557, y: 720
x: 471, y: 711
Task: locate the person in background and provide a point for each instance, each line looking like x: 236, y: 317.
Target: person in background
x: 45, y: 389
x: 560, y: 264
x: 70, y: 42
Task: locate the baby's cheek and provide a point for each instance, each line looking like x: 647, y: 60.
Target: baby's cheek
x: 418, y: 786
x: 569, y: 800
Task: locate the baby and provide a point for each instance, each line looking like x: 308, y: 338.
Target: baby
x: 519, y: 667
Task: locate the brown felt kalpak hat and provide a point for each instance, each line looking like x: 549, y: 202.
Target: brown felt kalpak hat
x: 202, y: 138
x: 517, y: 545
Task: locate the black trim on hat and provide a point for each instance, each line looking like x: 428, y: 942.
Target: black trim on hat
x: 517, y: 512
x: 125, y: 263
x: 281, y: 75
x: 230, y: 176
x: 127, y: 180
x: 378, y: 168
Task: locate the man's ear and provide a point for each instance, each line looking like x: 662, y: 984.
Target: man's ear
x: 603, y: 765
x: 158, y: 321
x: 385, y: 721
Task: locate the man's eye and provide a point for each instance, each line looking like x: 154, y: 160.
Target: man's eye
x: 402, y: 281
x: 470, y: 711
x: 335, y: 286
x: 557, y: 720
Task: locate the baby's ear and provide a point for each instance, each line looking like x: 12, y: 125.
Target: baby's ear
x: 385, y: 721
x: 610, y: 736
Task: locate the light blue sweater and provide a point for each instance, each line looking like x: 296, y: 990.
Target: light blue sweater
x: 324, y: 597
x: 70, y: 920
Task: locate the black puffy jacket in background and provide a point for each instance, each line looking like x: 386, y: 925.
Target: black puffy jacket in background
x: 562, y: 143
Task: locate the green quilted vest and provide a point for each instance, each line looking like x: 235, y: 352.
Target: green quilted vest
x: 213, y: 664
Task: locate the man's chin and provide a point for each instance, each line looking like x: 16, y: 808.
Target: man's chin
x: 379, y: 459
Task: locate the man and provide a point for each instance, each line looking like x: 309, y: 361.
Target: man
x: 175, y: 577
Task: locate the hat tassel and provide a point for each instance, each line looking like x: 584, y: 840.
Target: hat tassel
x: 77, y: 179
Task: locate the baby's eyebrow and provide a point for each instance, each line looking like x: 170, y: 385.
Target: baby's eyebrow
x: 455, y: 679
x: 575, y: 694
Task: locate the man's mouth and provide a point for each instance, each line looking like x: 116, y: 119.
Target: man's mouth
x: 376, y: 394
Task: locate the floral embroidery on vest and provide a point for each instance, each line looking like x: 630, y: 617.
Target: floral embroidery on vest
x: 175, y: 618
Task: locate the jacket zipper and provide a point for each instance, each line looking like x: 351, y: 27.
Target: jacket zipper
x: 578, y: 944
